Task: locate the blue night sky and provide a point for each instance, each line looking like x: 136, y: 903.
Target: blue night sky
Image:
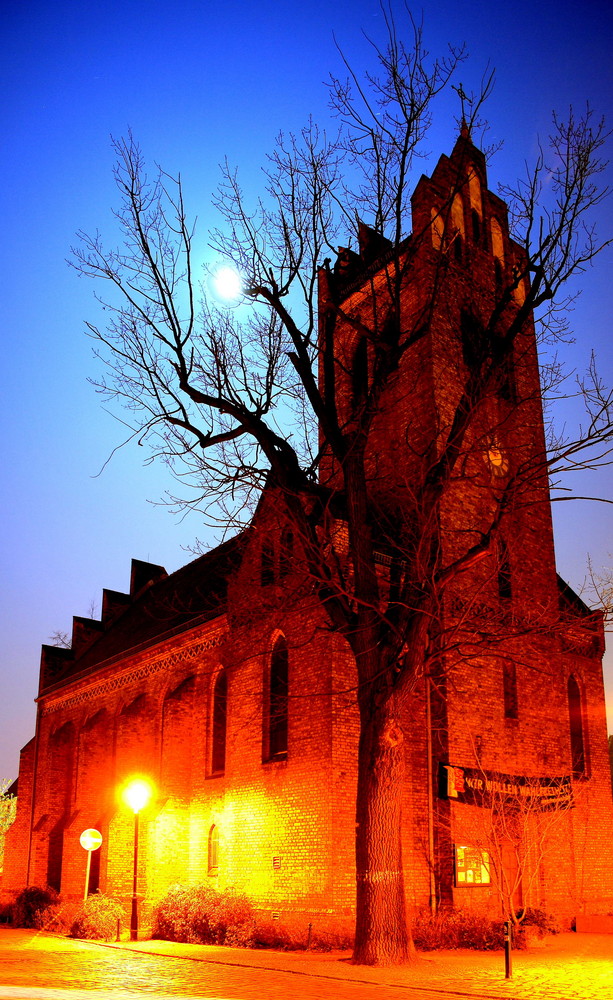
x: 198, y: 81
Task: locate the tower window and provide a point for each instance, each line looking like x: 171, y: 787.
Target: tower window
x: 575, y: 717
x: 287, y: 551
x: 213, y: 851
x: 267, y: 565
x: 473, y: 340
x: 497, y: 243
x: 359, y: 373
x: 509, y: 682
x: 278, y: 701
x: 220, y: 703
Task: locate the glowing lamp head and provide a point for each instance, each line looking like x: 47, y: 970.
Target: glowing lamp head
x: 137, y: 793
x: 226, y: 283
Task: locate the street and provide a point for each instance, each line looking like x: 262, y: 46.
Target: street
x: 44, y: 967
x: 41, y: 966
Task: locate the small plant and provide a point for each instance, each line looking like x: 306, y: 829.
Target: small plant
x: 456, y: 929
x: 34, y: 906
x: 97, y: 918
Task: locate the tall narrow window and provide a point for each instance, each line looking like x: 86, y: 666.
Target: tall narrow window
x: 359, y: 373
x: 474, y: 345
x: 277, y: 700
x: 509, y: 682
x: 220, y: 700
x: 497, y: 243
x: 575, y: 716
x: 457, y: 225
x: 213, y: 858
x: 286, y: 553
x: 267, y: 566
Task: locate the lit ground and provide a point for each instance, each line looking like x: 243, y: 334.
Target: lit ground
x: 45, y: 967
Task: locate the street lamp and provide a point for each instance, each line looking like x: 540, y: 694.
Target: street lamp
x: 136, y: 795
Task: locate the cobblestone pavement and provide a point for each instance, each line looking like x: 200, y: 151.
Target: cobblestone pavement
x: 45, y: 967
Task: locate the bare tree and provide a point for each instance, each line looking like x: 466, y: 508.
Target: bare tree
x: 230, y: 397
x: 8, y: 809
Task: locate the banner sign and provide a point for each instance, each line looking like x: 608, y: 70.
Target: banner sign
x: 479, y: 787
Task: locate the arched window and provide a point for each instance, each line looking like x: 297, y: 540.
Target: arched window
x: 213, y: 851
x: 575, y: 718
x: 218, y: 747
x: 476, y: 221
x: 278, y: 700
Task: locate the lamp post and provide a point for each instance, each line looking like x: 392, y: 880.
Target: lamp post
x: 136, y: 794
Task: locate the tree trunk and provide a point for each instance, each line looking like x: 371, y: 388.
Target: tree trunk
x: 382, y: 931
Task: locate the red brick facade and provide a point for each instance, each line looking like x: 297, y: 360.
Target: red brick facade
x: 238, y: 702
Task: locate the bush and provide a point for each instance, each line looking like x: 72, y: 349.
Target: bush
x: 456, y: 929
x: 34, y: 906
x: 201, y: 915
x: 294, y: 936
x: 533, y: 917
x: 97, y: 918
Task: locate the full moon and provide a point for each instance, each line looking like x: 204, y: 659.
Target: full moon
x: 227, y: 283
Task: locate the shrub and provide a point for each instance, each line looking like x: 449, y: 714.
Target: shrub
x: 293, y: 935
x: 456, y: 929
x: 97, y: 918
x: 201, y: 915
x: 533, y: 917
x: 34, y: 906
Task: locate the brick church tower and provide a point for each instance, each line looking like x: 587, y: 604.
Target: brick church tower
x: 507, y: 793
x: 512, y: 760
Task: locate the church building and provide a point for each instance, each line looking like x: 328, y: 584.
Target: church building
x: 223, y: 686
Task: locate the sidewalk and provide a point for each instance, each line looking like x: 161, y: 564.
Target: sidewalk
x: 565, y: 967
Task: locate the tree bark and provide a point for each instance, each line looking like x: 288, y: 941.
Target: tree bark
x: 382, y: 930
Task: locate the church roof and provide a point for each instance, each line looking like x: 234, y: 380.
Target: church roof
x: 166, y: 606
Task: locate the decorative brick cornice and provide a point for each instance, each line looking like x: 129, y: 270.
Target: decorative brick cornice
x: 106, y: 685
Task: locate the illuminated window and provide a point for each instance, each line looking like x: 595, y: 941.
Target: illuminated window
x: 457, y: 225
x: 213, y: 859
x: 509, y: 682
x: 497, y: 242
x: 220, y: 699
x: 278, y: 701
x: 437, y: 228
x: 577, y: 741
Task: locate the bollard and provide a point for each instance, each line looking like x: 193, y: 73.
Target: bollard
x: 309, y: 937
x: 118, y: 938
x: 508, y: 941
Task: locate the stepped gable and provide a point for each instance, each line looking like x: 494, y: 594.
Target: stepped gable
x: 167, y: 605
